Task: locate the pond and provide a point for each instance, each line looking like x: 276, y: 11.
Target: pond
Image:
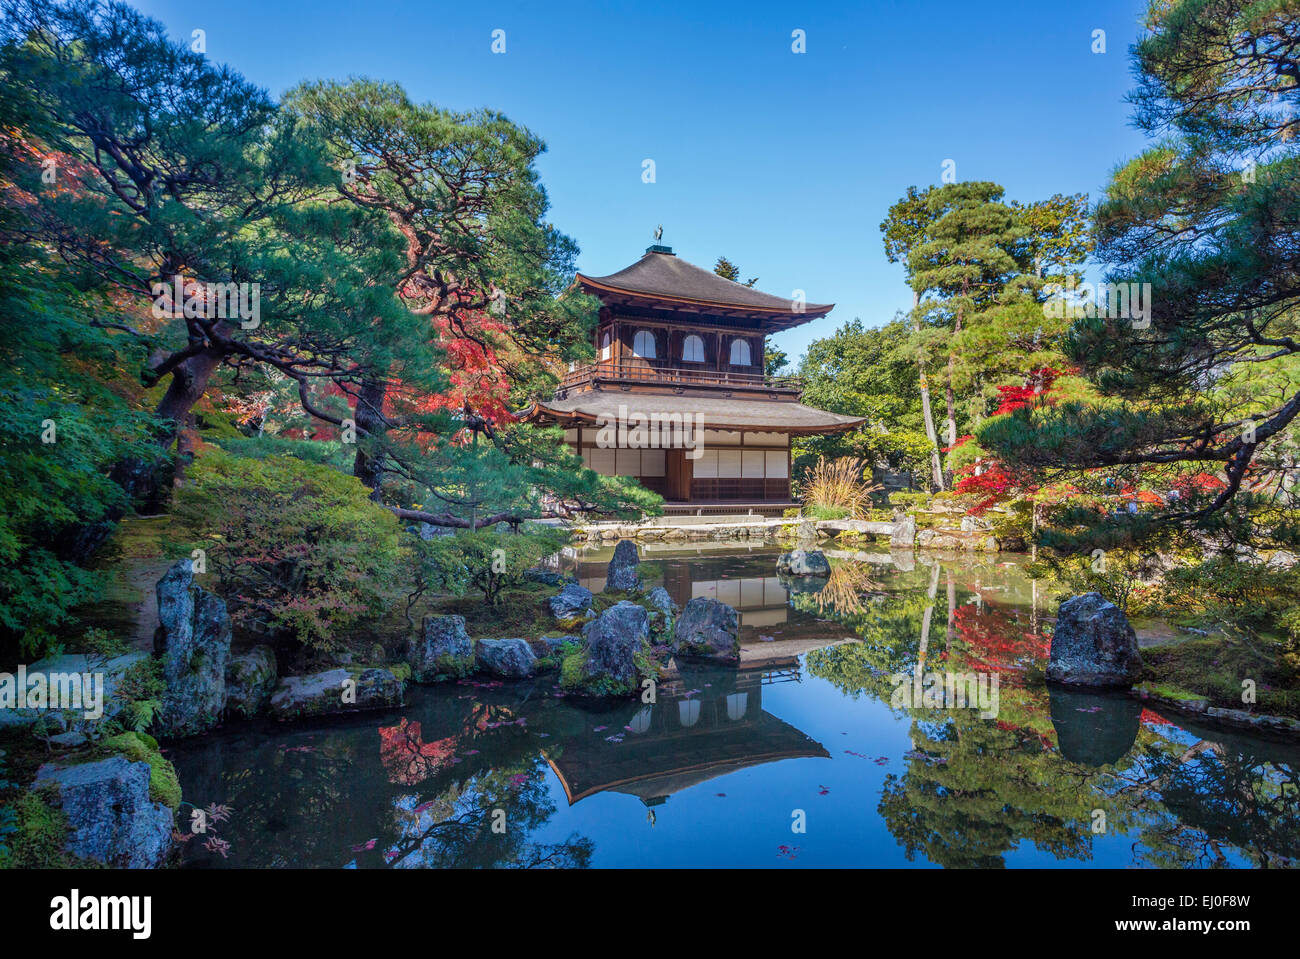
x: 805, y: 756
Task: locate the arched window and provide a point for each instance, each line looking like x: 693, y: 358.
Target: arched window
x: 605, y: 348
x: 693, y: 349
x: 740, y: 353
x: 644, y: 345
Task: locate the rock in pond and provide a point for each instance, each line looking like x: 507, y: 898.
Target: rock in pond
x: 1093, y: 644
x: 662, y: 611
x: 707, y: 629
x: 442, y: 651
x: 624, y: 568
x: 250, y: 681
x: 801, y: 562
x: 611, y: 644
x: 507, y: 658
x: 111, y: 817
x: 339, y: 690
x: 904, y: 534
x: 193, y: 638
x: 571, y: 602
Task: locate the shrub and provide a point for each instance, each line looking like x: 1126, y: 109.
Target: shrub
x: 39, y: 835
x: 298, y: 548
x: 487, y: 560
x: 909, y: 500
x: 1252, y: 597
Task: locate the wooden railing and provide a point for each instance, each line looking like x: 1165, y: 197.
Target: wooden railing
x: 646, y: 373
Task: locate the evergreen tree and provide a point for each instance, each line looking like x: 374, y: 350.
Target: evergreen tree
x: 729, y: 271
x: 1208, y: 380
x: 486, y: 274
x: 170, y: 174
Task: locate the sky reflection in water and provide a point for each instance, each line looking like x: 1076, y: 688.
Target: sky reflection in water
x: 716, y: 772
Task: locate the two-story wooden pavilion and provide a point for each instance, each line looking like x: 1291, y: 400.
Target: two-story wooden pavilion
x: 679, y: 347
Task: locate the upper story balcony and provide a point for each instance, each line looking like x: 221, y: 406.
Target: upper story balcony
x: 645, y: 373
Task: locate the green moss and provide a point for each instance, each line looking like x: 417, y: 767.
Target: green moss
x: 1215, y: 668
x: 907, y: 500
x: 1166, y: 691
x: 164, y: 787
x: 572, y: 669
x: 41, y: 834
x: 453, y: 667
x: 401, y: 670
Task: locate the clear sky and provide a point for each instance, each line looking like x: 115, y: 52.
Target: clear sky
x: 785, y: 163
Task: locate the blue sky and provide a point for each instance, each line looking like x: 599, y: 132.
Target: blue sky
x: 785, y: 163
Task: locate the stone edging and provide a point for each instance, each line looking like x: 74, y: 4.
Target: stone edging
x: 1231, y: 718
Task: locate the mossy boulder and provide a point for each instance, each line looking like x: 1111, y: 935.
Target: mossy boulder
x: 570, y: 603
x: 708, y: 629
x: 250, y: 681
x: 506, y: 658
x: 111, y: 815
x: 663, y: 611
x: 164, y: 787
x: 615, y: 653
x: 193, y: 639
x: 1093, y: 645
x: 443, y: 650
x: 803, y: 562
x: 340, y: 690
x: 623, y: 572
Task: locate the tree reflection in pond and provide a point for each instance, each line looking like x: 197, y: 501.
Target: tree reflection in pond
x: 518, y: 775
x: 1057, y: 764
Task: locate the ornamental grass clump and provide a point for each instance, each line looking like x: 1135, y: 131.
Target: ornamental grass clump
x: 837, y: 489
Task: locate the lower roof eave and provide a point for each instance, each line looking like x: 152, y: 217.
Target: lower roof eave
x: 834, y: 423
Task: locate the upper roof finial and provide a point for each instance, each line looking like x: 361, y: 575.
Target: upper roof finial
x: 659, y: 232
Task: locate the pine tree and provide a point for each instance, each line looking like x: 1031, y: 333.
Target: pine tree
x: 171, y: 174
x: 729, y: 271
x: 1202, y: 230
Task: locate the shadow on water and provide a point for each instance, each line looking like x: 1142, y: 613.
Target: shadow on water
x: 485, y: 774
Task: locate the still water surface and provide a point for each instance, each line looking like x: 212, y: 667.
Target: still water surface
x: 727, y: 764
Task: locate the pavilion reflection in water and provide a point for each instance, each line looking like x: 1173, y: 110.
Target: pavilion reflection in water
x: 769, y: 634
x: 707, y: 724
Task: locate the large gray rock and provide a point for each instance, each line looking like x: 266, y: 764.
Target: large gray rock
x: 802, y: 562
x: 54, y: 669
x: 707, y: 629
x: 547, y: 577
x: 546, y: 646
x: 443, y: 650
x: 250, y: 681
x: 193, y: 638
x: 904, y: 534
x: 507, y: 658
x: 339, y: 690
x: 623, y: 572
x: 571, y: 602
x: 611, y: 644
x: 111, y: 818
x: 1093, y: 644
x: 662, y: 611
